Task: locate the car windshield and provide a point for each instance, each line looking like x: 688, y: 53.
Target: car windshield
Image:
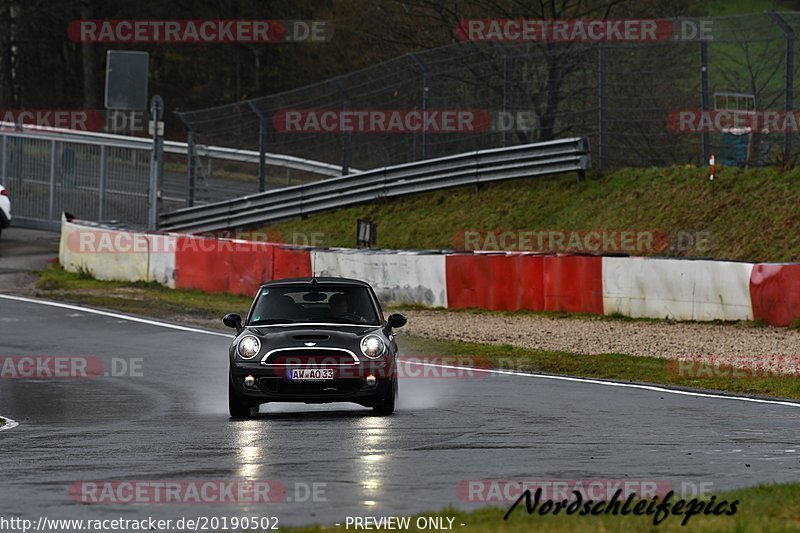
x: 314, y: 303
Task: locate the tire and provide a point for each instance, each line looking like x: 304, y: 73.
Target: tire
x: 386, y: 405
x: 237, y: 408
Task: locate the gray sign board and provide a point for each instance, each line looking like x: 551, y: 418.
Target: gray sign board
x: 126, y: 79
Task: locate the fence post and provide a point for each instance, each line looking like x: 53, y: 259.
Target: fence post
x: 789, y: 86
x: 190, y: 148
x: 704, y: 96
x: 19, y: 155
x: 425, y: 96
x: 601, y: 101
x: 506, y: 87
x: 262, y: 147
x: 102, y: 187
x: 262, y: 154
x: 346, y: 140
x: 190, y: 159
x: 156, y: 163
x: 52, y: 180
x: 4, y: 164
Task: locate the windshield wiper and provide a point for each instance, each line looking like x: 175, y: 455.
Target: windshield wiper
x: 341, y: 320
x: 336, y: 320
x: 267, y: 321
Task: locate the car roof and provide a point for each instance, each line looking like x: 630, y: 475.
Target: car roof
x: 319, y: 280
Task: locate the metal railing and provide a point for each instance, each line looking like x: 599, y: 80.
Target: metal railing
x: 621, y: 94
x: 48, y: 171
x: 471, y: 168
x: 172, y: 147
x: 104, y: 177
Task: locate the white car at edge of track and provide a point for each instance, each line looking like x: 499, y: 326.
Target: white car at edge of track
x: 5, y: 209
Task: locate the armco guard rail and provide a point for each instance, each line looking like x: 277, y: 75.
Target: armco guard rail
x: 171, y: 147
x: 471, y: 168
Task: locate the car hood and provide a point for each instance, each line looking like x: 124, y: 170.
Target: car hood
x: 291, y: 334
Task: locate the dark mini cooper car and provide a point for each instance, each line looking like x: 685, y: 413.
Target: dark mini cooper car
x: 313, y: 340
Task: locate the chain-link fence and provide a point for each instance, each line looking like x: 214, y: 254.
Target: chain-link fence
x: 107, y: 178
x: 626, y: 97
x: 93, y: 179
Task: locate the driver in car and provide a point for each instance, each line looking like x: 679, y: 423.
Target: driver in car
x: 342, y: 308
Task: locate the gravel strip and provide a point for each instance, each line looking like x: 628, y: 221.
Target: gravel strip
x: 725, y: 343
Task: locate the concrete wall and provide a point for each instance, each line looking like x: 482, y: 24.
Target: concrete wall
x: 632, y: 286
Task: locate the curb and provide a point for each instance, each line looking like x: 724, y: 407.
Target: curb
x: 9, y: 424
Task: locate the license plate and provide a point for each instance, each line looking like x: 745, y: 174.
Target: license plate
x: 310, y: 374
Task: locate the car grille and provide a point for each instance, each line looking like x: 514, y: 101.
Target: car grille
x: 310, y: 357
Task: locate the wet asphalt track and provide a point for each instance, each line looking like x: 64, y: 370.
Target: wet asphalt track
x: 171, y: 424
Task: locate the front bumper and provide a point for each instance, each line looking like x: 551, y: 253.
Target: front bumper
x: 349, y: 383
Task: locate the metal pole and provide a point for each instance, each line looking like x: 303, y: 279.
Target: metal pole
x: 425, y: 96
x: 506, y: 88
x: 190, y: 160
x: 262, y: 147
x: 704, y: 96
x: 346, y: 140
x: 156, y: 163
x: 789, y: 87
x: 190, y: 167
x: 262, y: 155
x: 4, y: 164
x: 52, y: 180
x: 103, y: 171
x: 601, y: 97
x: 19, y: 156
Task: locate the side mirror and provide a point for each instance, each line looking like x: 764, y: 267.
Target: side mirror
x: 396, y: 320
x: 232, y: 320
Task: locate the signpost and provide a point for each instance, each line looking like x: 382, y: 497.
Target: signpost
x: 156, y: 128
x: 126, y: 89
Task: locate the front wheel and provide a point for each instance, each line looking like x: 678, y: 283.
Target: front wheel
x: 236, y: 406
x: 386, y: 405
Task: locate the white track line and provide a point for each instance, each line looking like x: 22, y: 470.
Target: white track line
x: 664, y: 390
x: 9, y: 423
x: 112, y: 315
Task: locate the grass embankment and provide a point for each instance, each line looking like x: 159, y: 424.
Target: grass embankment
x: 760, y: 509
x: 2, y: 421
x: 748, y: 215
x: 150, y: 299
x: 138, y: 298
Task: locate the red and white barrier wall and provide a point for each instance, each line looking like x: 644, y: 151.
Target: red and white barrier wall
x: 678, y: 289
x: 118, y: 255
x: 397, y: 277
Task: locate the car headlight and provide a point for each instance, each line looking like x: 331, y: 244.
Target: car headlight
x: 249, y: 347
x: 372, y: 346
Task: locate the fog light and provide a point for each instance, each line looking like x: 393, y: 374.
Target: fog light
x: 371, y: 380
x: 249, y: 381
